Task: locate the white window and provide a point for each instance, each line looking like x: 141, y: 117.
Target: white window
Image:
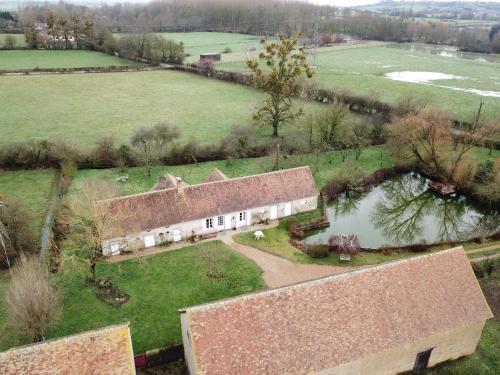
x: 115, y: 248
x: 220, y: 221
x: 209, y: 223
x: 243, y: 216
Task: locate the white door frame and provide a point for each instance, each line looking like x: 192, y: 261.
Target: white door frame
x: 221, y: 227
x: 147, y: 240
x: 274, y: 212
x: 227, y: 222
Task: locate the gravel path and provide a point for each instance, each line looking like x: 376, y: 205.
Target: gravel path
x: 279, y: 271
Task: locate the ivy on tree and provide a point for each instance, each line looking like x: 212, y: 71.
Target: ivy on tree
x: 285, y: 64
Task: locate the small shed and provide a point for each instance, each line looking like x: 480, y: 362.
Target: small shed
x: 210, y: 57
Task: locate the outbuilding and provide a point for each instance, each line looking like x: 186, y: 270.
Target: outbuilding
x: 381, y: 320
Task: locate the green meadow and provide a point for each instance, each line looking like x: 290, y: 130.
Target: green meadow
x: 360, y: 68
x: 82, y: 108
x: 31, y: 59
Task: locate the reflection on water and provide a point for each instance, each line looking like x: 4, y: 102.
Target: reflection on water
x: 446, y: 51
x: 401, y: 211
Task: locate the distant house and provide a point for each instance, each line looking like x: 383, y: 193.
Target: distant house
x: 210, y: 57
x: 178, y: 211
x: 102, y: 351
x: 385, y: 319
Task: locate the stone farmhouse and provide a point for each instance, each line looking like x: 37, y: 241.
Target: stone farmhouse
x: 106, y: 350
x: 174, y: 211
x: 386, y: 319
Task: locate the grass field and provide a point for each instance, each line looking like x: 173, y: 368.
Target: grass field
x: 30, y: 187
x: 360, y: 68
x: 20, y: 42
x: 82, y: 108
x: 30, y: 59
x: 324, y: 168
x: 207, y: 42
x: 158, y: 286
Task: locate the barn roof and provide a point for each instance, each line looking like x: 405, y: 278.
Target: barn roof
x: 347, y: 315
x: 216, y: 175
x: 101, y: 351
x: 156, y: 209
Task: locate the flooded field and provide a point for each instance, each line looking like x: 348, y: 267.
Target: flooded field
x: 401, y: 211
x: 446, y: 51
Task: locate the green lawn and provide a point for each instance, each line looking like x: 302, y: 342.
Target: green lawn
x: 30, y: 59
x: 81, y: 108
x: 326, y: 166
x: 19, y: 38
x: 30, y: 187
x: 276, y: 241
x: 158, y: 285
x: 360, y: 69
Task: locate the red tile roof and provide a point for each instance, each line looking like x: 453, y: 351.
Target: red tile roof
x: 103, y: 351
x: 316, y: 325
x: 135, y: 213
x: 167, y: 182
x: 216, y: 175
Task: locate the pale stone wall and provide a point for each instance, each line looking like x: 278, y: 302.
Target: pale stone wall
x: 186, y: 343
x: 162, y: 234
x: 447, y: 346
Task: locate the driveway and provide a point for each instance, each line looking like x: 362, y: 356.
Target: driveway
x: 279, y: 271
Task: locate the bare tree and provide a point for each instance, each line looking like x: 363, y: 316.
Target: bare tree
x: 32, y: 302
x: 151, y: 143
x: 345, y: 244
x: 92, y: 221
x: 424, y: 136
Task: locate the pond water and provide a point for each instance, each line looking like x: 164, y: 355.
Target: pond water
x: 446, y: 51
x: 402, y: 211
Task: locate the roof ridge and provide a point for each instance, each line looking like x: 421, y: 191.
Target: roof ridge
x: 323, y: 279
x: 281, y: 171
x: 73, y: 335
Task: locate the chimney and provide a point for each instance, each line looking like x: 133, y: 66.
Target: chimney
x: 179, y: 184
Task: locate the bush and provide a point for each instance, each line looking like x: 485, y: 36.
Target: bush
x: 227, y: 50
x: 17, y: 221
x: 484, y: 172
x: 317, y: 251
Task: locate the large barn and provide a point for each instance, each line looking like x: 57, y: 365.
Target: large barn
x: 386, y: 319
x: 179, y: 211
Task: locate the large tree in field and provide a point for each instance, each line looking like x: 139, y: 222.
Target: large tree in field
x: 32, y: 302
x: 284, y: 64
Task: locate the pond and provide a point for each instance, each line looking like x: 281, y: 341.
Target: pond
x: 402, y: 211
x: 446, y: 51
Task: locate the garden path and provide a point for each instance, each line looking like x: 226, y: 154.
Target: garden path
x: 279, y: 271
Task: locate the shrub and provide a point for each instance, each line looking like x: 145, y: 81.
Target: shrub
x: 227, y: 50
x: 104, y: 155
x: 18, y: 224
x: 317, y: 251
x: 325, y: 39
x: 484, y: 172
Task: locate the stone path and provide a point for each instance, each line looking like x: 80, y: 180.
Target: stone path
x: 279, y: 271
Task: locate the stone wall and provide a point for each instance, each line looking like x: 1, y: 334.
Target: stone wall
x: 447, y: 346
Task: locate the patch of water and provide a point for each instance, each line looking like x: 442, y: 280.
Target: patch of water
x: 426, y: 78
x: 402, y: 211
x: 420, y: 77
